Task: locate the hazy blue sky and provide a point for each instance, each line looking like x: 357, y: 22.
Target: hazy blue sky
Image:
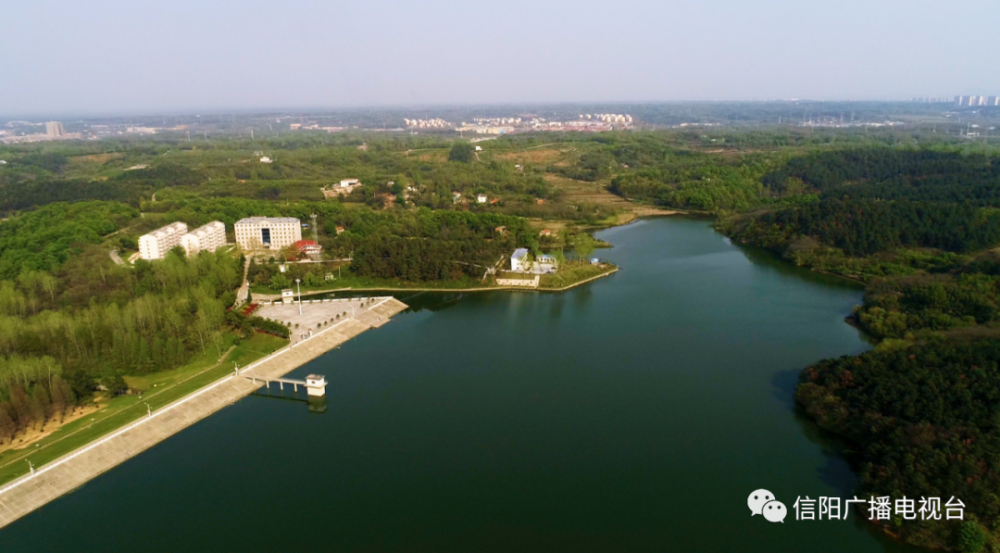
x: 60, y: 56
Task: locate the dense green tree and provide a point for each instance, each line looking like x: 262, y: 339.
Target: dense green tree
x: 462, y: 152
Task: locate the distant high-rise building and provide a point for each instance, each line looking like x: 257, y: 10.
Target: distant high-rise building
x: 976, y: 101
x: 156, y: 244
x: 207, y: 238
x: 54, y: 129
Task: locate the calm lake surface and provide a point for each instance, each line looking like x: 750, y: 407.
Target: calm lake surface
x: 635, y: 413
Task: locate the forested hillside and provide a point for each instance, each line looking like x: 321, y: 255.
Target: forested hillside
x: 71, y: 319
x: 918, y: 226
x: 876, y: 202
x: 927, y: 422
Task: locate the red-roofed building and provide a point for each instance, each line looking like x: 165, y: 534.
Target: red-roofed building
x: 309, y: 248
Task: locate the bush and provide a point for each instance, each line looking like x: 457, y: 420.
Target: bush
x: 461, y: 152
x: 268, y: 326
x: 971, y: 537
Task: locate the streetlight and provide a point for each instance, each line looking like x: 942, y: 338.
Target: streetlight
x: 300, y: 295
x: 31, y: 467
x: 149, y: 410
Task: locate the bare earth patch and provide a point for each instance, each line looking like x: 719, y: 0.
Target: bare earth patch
x: 578, y: 191
x: 96, y: 158
x: 439, y: 157
x: 533, y: 156
x: 32, y: 435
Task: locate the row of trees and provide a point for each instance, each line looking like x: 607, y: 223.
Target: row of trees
x: 50, y: 396
x: 154, y: 330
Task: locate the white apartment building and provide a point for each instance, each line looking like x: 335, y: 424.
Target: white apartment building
x: 206, y: 238
x: 156, y: 244
x: 267, y: 233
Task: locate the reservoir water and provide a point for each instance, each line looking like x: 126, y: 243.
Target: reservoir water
x: 635, y: 413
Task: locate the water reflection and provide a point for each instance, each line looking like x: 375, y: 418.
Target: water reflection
x: 316, y: 404
x: 773, y: 262
x: 418, y: 301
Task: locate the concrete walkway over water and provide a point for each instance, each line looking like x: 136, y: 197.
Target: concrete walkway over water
x: 71, y: 471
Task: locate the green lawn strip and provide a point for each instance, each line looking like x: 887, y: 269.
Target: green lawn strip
x: 120, y: 411
x: 353, y: 282
x: 260, y: 346
x: 573, y: 274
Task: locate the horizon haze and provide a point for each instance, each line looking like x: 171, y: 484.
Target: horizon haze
x: 112, y: 56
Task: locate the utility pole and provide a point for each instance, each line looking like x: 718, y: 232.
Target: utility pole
x: 300, y: 295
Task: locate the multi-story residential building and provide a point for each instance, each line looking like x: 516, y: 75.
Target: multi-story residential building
x: 156, y: 244
x: 974, y: 100
x: 206, y: 238
x: 267, y: 233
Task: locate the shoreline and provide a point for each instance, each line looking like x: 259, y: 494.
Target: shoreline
x: 273, y: 297
x: 50, y: 481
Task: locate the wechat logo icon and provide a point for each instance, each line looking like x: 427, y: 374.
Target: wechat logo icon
x: 763, y: 502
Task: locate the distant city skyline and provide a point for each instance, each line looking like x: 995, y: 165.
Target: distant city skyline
x: 112, y: 56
